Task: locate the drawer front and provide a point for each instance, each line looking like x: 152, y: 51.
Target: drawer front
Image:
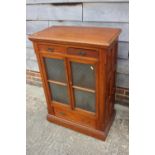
x: 51, y: 48
x: 74, y: 117
x: 82, y: 52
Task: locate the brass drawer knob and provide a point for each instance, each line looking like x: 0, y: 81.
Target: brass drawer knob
x: 62, y: 113
x: 82, y: 53
x: 50, y: 49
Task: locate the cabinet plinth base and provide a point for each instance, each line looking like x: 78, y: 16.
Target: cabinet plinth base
x: 82, y: 129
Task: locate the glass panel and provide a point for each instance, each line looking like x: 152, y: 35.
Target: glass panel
x: 55, y: 69
x: 59, y: 93
x: 83, y: 75
x: 84, y: 100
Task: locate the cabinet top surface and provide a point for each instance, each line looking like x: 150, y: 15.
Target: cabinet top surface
x: 73, y: 34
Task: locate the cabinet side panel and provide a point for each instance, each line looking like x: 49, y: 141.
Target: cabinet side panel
x: 110, y: 81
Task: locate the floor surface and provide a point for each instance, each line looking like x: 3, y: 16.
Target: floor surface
x: 44, y: 138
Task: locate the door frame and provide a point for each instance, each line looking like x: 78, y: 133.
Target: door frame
x: 60, y: 57
x: 67, y: 59
x: 89, y: 61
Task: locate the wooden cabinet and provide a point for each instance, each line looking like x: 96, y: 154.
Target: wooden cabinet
x: 78, y: 67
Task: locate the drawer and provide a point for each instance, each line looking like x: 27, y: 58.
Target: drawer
x: 74, y: 117
x: 51, y: 48
x: 82, y: 52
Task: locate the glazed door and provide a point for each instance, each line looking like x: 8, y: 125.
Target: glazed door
x: 83, y: 85
x: 56, y: 79
x: 71, y: 85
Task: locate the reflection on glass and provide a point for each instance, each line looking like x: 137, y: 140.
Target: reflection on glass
x: 83, y: 75
x: 55, y: 69
x: 59, y: 93
x: 84, y: 100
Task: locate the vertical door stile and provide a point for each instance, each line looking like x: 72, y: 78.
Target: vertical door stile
x: 97, y: 90
x: 101, y: 93
x: 44, y: 79
x: 69, y: 83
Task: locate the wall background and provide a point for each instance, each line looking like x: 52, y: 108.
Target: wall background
x: 101, y: 13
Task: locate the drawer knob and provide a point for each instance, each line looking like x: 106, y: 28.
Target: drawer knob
x: 50, y: 49
x: 82, y: 53
x: 62, y: 113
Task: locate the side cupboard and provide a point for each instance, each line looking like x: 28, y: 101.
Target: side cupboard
x: 78, y: 69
